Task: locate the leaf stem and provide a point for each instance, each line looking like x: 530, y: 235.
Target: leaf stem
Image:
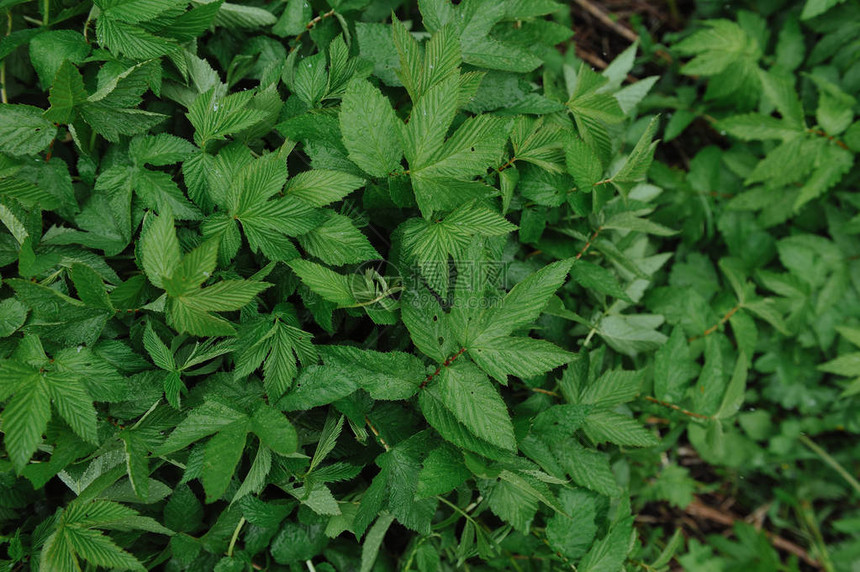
x: 145, y: 415
x: 716, y: 326
x: 460, y: 510
x: 3, y: 96
x: 235, y: 537
x: 510, y: 163
x: 676, y: 408
x: 808, y: 517
x: 46, y: 12
x: 446, y: 363
x: 376, y: 434
x: 834, y: 464
x: 822, y: 133
x: 589, y: 242
x: 310, y: 25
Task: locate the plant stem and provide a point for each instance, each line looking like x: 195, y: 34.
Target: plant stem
x: 3, y: 97
x: 235, y: 536
x: 46, y: 12
x: 808, y: 517
x: 834, y: 464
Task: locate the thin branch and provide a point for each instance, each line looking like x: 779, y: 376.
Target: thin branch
x: 510, y: 163
x: 235, y: 536
x: 446, y: 363
x: 376, y: 434
x: 604, y: 19
x: 717, y: 326
x: 310, y: 25
x: 591, y: 58
x: 824, y: 134
x: 675, y: 407
x: 3, y: 95
x: 589, y: 242
x: 697, y: 508
x: 834, y: 464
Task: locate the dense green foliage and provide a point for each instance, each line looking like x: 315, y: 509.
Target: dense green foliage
x: 374, y: 284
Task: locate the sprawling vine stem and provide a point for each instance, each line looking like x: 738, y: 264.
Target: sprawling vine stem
x: 726, y: 317
x: 445, y: 364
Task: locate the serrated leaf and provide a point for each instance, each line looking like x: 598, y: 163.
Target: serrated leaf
x: 222, y: 454
x: 467, y: 395
x: 336, y: 241
x: 320, y: 187
x: 23, y: 130
x: 371, y: 131
x: 606, y: 426
x: 389, y: 375
x: 327, y: 283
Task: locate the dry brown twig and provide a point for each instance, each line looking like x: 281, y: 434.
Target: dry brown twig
x: 698, y: 509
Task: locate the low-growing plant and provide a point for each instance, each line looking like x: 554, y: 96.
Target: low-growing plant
x: 375, y: 284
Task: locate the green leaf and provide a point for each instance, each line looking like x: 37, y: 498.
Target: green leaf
x: 274, y: 430
x: 511, y: 503
x: 240, y: 16
x: 97, y: 548
x: 673, y: 368
x: 135, y: 11
x: 470, y: 399
x: 74, y: 404
x: 53, y: 50
x: 373, y: 541
x: 159, y: 150
x: 371, y: 130
x: 91, y: 290
x: 428, y: 124
x: 583, y: 163
x: 215, y: 116
x: 25, y: 418
x: 191, y: 311
x: 132, y: 41
x: 67, y: 92
x: 573, y: 531
x: 318, y: 385
x: 814, y: 8
x: 320, y: 187
x: 294, y: 19
x: 338, y: 242
x: 136, y: 463
x: 23, y: 130
x: 160, y: 354
x: 160, y: 253
x: 734, y: 396
x: 718, y: 46
x: 518, y: 356
x: 610, y: 552
x: 204, y: 420
x: 443, y: 470
x: 612, y: 388
x: 609, y: 427
x: 593, y: 277
x: 389, y: 375
x: 222, y: 454
x: 587, y: 467
x: 13, y: 314
x: 636, y: 166
x: 327, y: 283
x: 524, y: 303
